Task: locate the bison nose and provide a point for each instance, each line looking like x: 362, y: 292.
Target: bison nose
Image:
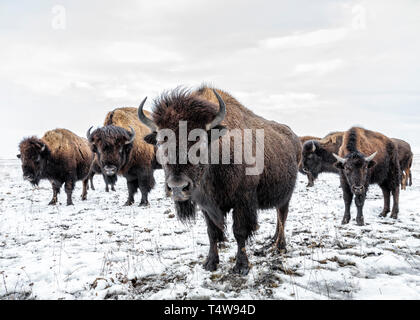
x: 180, y: 188
x: 358, y: 189
x: 110, y: 170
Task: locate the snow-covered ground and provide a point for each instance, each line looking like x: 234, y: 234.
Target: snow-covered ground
x: 99, y: 249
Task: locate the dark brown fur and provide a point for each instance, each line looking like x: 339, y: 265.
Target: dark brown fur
x: 322, y: 159
x: 383, y: 170
x: 66, y: 158
x: 405, y: 157
x: 137, y: 160
x: 311, y: 178
x: 220, y: 188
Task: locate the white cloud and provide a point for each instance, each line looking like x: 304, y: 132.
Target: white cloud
x: 307, y: 39
x: 320, y: 68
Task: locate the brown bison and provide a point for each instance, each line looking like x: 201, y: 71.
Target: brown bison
x: 311, y: 178
x: 405, y: 157
x: 96, y: 169
x: 121, y: 150
x: 217, y: 188
x: 59, y: 156
x: 365, y: 158
x: 317, y: 155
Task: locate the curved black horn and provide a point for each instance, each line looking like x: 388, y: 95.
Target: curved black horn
x: 145, y: 120
x: 220, y: 115
x: 133, y: 136
x: 88, y: 133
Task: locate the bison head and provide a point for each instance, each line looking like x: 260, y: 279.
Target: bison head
x: 355, y: 168
x: 311, y: 159
x: 171, y: 113
x: 112, y: 146
x: 33, y: 155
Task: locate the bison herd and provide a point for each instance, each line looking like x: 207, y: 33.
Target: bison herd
x: 129, y: 142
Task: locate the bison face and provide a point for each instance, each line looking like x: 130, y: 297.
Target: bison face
x: 183, y: 176
x: 355, y: 168
x: 34, y: 158
x: 311, y: 161
x: 112, y: 146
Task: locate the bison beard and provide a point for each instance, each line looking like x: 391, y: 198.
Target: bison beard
x: 185, y: 210
x: 218, y: 189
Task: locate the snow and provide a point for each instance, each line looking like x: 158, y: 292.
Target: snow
x: 99, y: 249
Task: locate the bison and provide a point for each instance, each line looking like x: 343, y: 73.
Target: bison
x: 121, y: 150
x: 367, y: 157
x: 405, y: 157
x: 317, y: 155
x: 218, y: 188
x: 96, y: 169
x: 311, y: 178
x: 59, y: 156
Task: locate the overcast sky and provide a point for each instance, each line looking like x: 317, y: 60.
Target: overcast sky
x: 318, y: 66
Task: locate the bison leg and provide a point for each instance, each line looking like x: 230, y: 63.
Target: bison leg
x: 348, y: 198
x: 404, y: 179
x: 360, y: 201
x: 146, y: 183
x: 106, y: 187
x: 395, y: 206
x: 85, y: 189
x: 132, y: 189
x: 387, y: 200
x: 244, y: 224
x: 56, y: 190
x: 92, y: 186
x: 112, y: 187
x: 215, y: 235
x: 410, y: 177
x: 280, y: 242
x: 310, y: 180
x: 68, y: 187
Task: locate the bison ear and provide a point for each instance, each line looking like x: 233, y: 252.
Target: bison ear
x: 18, y: 156
x: 151, y: 138
x: 371, y: 164
x: 339, y: 165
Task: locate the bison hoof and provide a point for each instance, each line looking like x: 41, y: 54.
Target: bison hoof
x: 144, y: 203
x: 281, y: 249
x: 309, y: 185
x: 211, y: 264
x: 70, y: 203
x: 128, y: 203
x: 394, y: 215
x: 345, y: 220
x: 52, y: 203
x: 383, y: 214
x: 360, y: 221
x: 241, y: 269
x: 84, y: 198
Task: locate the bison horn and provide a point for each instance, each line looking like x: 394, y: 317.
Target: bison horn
x: 132, y: 135
x: 145, y: 120
x: 370, y: 158
x: 43, y: 148
x: 313, y: 147
x: 88, y: 133
x: 339, y: 159
x: 220, y: 115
